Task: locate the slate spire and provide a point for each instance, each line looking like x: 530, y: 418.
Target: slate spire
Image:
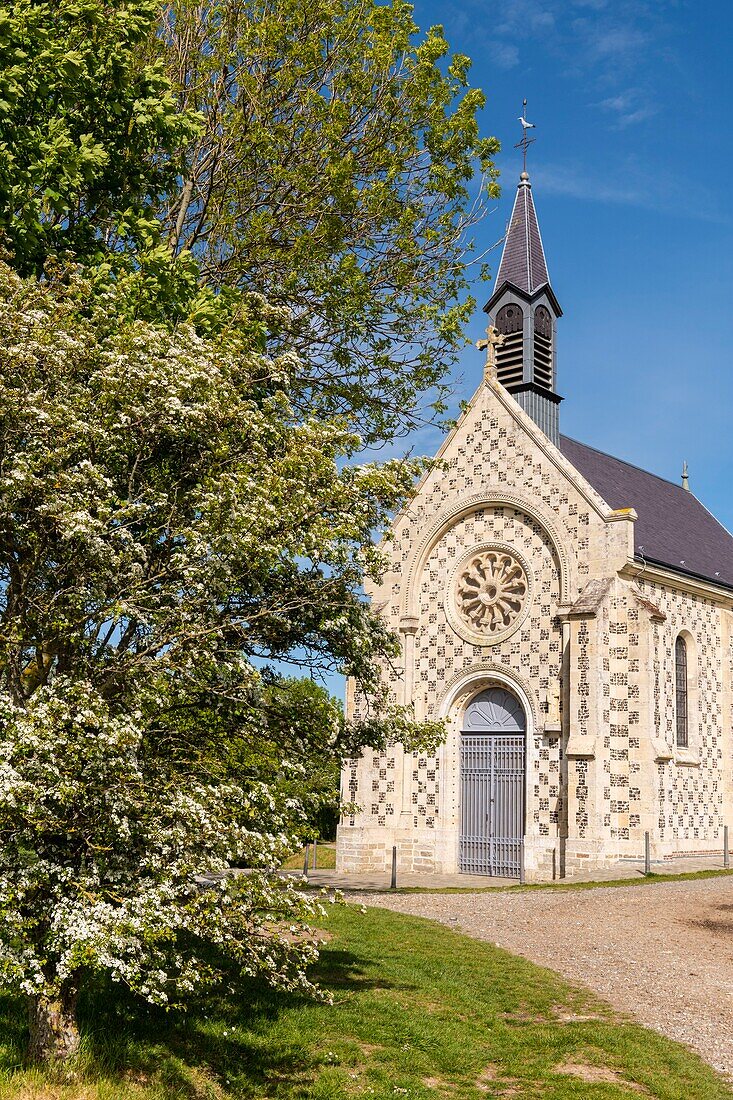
x: 523, y: 261
x: 524, y: 310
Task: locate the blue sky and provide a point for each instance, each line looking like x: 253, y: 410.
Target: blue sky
x: 631, y: 173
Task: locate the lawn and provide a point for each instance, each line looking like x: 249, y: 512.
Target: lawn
x: 419, y: 1011
x: 562, y: 885
x: 325, y: 857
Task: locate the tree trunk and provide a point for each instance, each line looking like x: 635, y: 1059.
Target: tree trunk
x: 53, y: 1027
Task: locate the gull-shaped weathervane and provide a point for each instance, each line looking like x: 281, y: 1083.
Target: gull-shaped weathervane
x: 526, y: 139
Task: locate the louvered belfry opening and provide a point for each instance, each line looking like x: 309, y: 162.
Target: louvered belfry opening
x: 543, y: 347
x: 510, y: 354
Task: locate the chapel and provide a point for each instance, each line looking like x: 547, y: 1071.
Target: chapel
x: 568, y: 615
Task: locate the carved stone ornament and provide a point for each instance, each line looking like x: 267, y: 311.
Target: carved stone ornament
x: 489, y: 594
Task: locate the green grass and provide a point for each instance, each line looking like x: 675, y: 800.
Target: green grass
x: 420, y: 1012
x: 641, y: 880
x: 325, y: 857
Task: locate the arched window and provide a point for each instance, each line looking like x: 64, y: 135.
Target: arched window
x: 543, y: 322
x: 509, y: 319
x: 510, y: 354
x: 681, y: 692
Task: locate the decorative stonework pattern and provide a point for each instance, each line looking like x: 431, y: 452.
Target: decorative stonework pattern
x: 580, y: 769
x: 622, y: 664
x: 547, y: 784
x: 657, y: 684
x: 533, y: 650
x: 351, y: 785
x: 622, y: 793
x: 490, y: 592
x: 491, y: 452
x: 424, y: 790
x: 487, y: 453
x: 382, y: 804
x: 582, y: 716
x: 690, y: 797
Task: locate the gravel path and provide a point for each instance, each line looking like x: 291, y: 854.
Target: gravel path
x: 662, y: 952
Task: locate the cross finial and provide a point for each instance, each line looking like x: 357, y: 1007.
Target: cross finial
x: 526, y: 140
x: 494, y: 339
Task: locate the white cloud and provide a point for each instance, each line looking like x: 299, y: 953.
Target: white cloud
x: 630, y: 185
x: 629, y: 107
x: 617, y: 44
x: 504, y: 54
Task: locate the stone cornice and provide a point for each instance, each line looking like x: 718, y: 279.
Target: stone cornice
x: 636, y: 571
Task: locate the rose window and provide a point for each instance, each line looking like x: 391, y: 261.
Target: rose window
x: 491, y: 590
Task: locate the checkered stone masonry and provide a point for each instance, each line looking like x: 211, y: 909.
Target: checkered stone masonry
x: 491, y: 455
x: 369, y: 782
x: 488, y: 453
x: 424, y: 790
x: 622, y: 749
x: 690, y: 795
x: 548, y: 792
x: 533, y: 651
x: 383, y: 788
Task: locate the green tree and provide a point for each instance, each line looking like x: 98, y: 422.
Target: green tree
x: 321, y: 155
x: 165, y: 520
x: 333, y: 173
x: 269, y: 207
x: 89, y: 131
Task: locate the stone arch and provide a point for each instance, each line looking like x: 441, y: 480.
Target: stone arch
x: 468, y: 682
x: 456, y: 695
x: 494, y: 709
x: 456, y: 512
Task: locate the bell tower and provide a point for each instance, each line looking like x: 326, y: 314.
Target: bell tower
x: 525, y: 311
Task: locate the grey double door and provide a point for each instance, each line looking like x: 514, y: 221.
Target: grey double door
x: 492, y: 761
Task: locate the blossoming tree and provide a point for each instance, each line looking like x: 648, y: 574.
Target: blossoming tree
x: 181, y: 502
x: 163, y: 522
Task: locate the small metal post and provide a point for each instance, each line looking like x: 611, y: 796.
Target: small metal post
x: 726, y: 850
x: 305, y: 860
x: 315, y: 855
x: 554, y: 864
x: 393, y: 883
x: 647, y: 855
x: 521, y: 862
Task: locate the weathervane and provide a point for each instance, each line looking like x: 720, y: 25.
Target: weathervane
x: 526, y: 141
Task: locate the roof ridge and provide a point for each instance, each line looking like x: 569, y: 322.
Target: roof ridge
x: 711, y: 514
x: 674, y: 528
x: 641, y: 469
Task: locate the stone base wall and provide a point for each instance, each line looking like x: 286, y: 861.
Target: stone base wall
x: 369, y: 851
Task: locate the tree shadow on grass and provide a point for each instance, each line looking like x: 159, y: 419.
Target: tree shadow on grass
x: 247, y: 1035
x: 13, y: 1032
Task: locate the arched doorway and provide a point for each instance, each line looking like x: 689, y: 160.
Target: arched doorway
x: 492, y: 763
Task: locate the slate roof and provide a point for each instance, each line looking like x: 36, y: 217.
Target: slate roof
x: 673, y: 529
x: 523, y: 258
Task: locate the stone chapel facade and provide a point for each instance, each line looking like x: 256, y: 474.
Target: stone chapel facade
x: 569, y: 615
